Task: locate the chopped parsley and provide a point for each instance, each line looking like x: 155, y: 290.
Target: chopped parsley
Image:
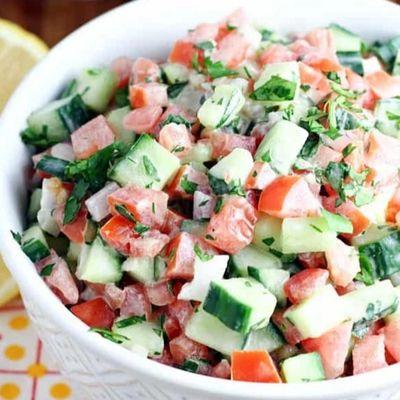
x: 123, y: 323
x: 175, y: 89
x: 47, y: 270
x: 124, y: 212
x: 268, y: 241
x: 188, y: 186
x: 206, y: 46
x: 348, y: 149
x: 218, y: 205
x: 217, y: 69
x: 112, y: 336
x: 141, y: 229
x: 150, y: 169
x: 394, y: 117
x: 201, y: 253
x: 275, y: 89
x: 53, y: 166
x: 176, y: 119
x: 74, y: 202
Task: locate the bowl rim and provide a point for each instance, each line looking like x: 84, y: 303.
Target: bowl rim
x: 121, y: 357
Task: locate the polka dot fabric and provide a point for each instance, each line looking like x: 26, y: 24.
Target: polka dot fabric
x: 26, y: 373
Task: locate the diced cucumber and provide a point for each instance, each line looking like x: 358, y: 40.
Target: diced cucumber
x: 74, y: 251
x: 352, y: 59
x: 54, y: 122
x: 115, y: 118
x: 387, y: 51
x: 279, y: 83
x: 396, y: 65
x: 345, y: 41
x: 395, y: 314
x: 99, y: 263
x: 252, y: 256
x: 34, y: 204
x: 318, y: 313
x: 273, y: 279
x: 160, y: 267
x: 197, y: 228
x: 222, y: 107
x: 231, y: 171
x: 205, y: 271
x: 200, y: 152
x: 97, y: 87
x: 268, y: 339
x: 303, y: 368
x: 308, y: 234
x: 91, y: 231
x: 34, y: 243
x: 240, y: 303
x: 140, y: 268
x: 267, y: 232
x: 367, y: 303
x: 372, y: 234
x: 386, y: 112
x: 144, y: 337
x: 281, y: 146
x: 175, y: 73
x: 147, y: 164
x: 381, y: 258
x: 210, y: 331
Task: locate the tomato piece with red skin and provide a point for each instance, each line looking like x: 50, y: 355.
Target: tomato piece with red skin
x: 165, y: 359
x: 260, y: 176
x: 183, y: 52
x: 171, y: 327
x: 148, y: 94
x: 182, y: 348
x: 333, y: 347
x: 182, y: 311
x: 312, y: 260
x: 232, y: 49
x: 92, y: 137
x: 122, y: 66
x: 176, y: 138
x: 203, y: 33
x: 222, y: 370
x: 303, y: 284
x: 145, y: 70
x: 316, y: 79
x: 95, y: 313
x: 75, y: 230
x: 143, y: 119
x: 383, y: 84
x: 160, y: 293
x: 391, y: 331
x: 147, y: 206
x: 224, y: 143
x: 172, y: 223
x: 369, y: 354
x: 276, y: 53
x: 289, y: 331
x: 136, y: 302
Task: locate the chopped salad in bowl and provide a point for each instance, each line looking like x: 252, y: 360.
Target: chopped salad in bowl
x: 232, y: 211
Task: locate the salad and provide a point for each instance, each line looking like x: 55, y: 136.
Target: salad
x: 232, y: 211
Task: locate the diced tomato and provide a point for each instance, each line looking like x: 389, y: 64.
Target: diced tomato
x: 322, y: 39
x: 260, y: 176
x: 356, y: 82
x: 333, y: 347
x: 325, y: 155
x: 254, y: 366
x: 145, y: 71
x: 392, y: 338
x: 186, y: 182
x: 92, y: 137
x: 165, y: 359
x: 148, y: 94
x: 183, y: 52
x: 232, y: 49
x: 182, y: 311
x: 160, y: 293
x: 393, y: 209
x: 276, y: 53
x: 203, y: 205
x: 288, y: 196
x: 176, y: 138
x: 222, y: 370
x: 180, y: 254
x: 343, y: 263
x: 369, y: 354
x: 325, y: 63
x: 383, y: 84
x: 119, y: 233
x: 303, y: 284
x: 112, y: 294
x: 147, y: 206
x: 136, y: 302
x: 60, y: 280
x: 237, y: 19
x: 232, y: 227
x: 289, y: 331
x: 313, y: 260
x: 182, y: 348
x: 316, y: 79
x: 75, y: 230
x: 224, y: 143
x: 171, y: 327
x: 178, y: 110
x: 143, y: 119
x: 122, y: 66
x: 96, y: 313
x: 172, y: 223
x: 203, y: 33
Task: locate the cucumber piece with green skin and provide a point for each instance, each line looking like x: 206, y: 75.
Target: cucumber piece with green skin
x: 370, y: 303
x: 140, y: 268
x: 273, y: 279
x: 268, y: 339
x: 372, y: 234
x: 352, y: 59
x: 267, y: 232
x: 386, y: 112
x: 54, y: 122
x: 160, y: 267
x: 222, y: 107
x: 231, y: 171
x: 281, y: 146
x: 34, y: 244
x: 175, y: 73
x: 396, y: 65
x: 252, y: 256
x: 240, y: 303
x: 143, y: 337
x: 318, y: 313
x: 74, y: 251
x: 197, y: 228
x: 307, y: 234
x: 381, y: 257
x: 99, y: 263
x: 387, y: 51
x: 115, y: 119
x: 147, y: 164
x: 303, y: 368
x: 395, y: 314
x: 97, y: 87
x: 345, y: 41
x: 206, y: 329
x: 34, y: 204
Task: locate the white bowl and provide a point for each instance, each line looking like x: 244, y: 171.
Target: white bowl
x: 101, y: 369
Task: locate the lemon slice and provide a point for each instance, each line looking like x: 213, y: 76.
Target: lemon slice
x: 8, y: 287
x: 19, y: 52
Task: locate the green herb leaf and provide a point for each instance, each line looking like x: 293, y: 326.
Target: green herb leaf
x: 122, y: 97
x: 124, y: 323
x: 310, y: 147
x: 268, y: 241
x: 201, y: 253
x: 53, y: 166
x: 124, y: 212
x: 394, y: 117
x: 112, y: 336
x: 176, y: 119
x: 141, y: 229
x: 188, y: 186
x: 47, y: 270
x: 38, y: 139
x: 74, y: 202
x: 175, y: 89
x: 348, y: 150
x: 217, y: 69
x: 150, y: 169
x: 35, y: 250
x: 206, y: 46
x: 218, y: 205
x: 275, y: 89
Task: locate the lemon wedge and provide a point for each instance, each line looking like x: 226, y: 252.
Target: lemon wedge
x: 19, y: 52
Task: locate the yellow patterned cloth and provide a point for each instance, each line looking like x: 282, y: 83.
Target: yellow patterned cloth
x: 26, y: 372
